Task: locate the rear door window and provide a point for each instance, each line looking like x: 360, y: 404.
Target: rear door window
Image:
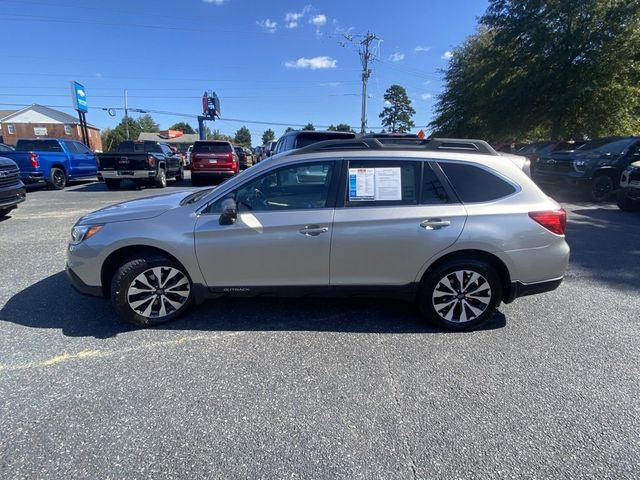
x: 39, y: 145
x: 474, y: 184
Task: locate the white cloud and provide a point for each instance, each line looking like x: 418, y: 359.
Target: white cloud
x: 215, y: 2
x: 268, y: 24
x: 448, y: 55
x: 292, y: 19
x: 387, y: 103
x: 318, y: 20
x: 426, y: 96
x: 315, y: 63
x: 420, y: 48
x: 331, y: 84
x: 291, y: 25
x: 397, y: 57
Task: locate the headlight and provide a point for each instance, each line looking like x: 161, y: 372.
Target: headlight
x: 83, y: 232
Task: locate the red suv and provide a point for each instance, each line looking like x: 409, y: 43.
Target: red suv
x: 212, y: 160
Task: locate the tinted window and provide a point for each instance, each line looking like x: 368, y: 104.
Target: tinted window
x: 305, y: 139
x: 212, y: 147
x: 474, y: 184
x: 432, y: 190
x: 71, y: 147
x: 288, y: 188
x: 39, y: 145
x: 82, y: 148
x: 382, y: 182
x: 139, y: 147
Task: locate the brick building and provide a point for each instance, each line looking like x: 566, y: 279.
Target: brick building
x: 37, y: 121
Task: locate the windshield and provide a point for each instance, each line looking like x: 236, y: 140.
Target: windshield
x: 604, y: 145
x: 195, y: 196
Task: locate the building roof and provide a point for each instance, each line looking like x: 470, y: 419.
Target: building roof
x: 186, y: 138
x: 6, y: 113
x: 40, y: 114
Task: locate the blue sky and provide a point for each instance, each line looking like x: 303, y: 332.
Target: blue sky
x: 279, y: 61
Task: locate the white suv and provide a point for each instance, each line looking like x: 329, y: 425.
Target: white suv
x: 448, y: 224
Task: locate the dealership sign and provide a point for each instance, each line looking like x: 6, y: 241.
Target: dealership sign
x: 79, y: 97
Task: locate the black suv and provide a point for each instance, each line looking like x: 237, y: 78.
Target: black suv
x: 12, y: 190
x: 598, y: 165
x: 301, y: 138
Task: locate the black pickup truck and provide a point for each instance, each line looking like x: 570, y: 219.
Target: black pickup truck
x: 146, y: 163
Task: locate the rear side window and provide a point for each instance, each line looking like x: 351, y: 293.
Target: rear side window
x: 39, y: 145
x: 382, y: 183
x: 474, y: 184
x: 212, y: 147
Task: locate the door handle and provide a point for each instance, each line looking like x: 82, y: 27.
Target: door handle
x: 313, y: 230
x: 435, y: 224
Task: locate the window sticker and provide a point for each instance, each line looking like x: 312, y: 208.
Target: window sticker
x: 371, y: 184
x: 361, y: 184
x: 388, y: 184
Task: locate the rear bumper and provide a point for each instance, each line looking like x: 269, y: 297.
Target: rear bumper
x: 9, y: 198
x: 82, y: 287
x: 32, y: 177
x: 135, y: 174
x: 519, y: 289
x: 212, y: 174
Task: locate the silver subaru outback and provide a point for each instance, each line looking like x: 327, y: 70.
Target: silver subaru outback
x: 447, y: 224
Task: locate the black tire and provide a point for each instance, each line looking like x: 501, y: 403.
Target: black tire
x: 625, y: 203
x: 125, y: 278
x: 601, y: 187
x: 4, y: 212
x: 161, y: 178
x: 112, y: 183
x: 478, y: 309
x: 180, y: 176
x: 57, y: 179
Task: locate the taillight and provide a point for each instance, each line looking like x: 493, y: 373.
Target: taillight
x: 152, y: 161
x: 234, y: 162
x: 553, y: 220
x: 33, y: 158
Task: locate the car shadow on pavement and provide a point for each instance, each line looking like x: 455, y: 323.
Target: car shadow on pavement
x: 128, y: 185
x: 605, y: 244
x: 52, y: 303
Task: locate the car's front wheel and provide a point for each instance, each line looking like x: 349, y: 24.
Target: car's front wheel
x: 460, y: 294
x: 150, y: 291
x: 601, y: 187
x: 161, y: 178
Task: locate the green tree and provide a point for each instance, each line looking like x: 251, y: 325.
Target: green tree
x: 268, y: 136
x: 344, y: 127
x: 184, y: 127
x: 112, y: 137
x: 331, y: 128
x: 398, y: 112
x: 289, y: 129
x: 309, y: 126
x: 218, y: 135
x: 546, y: 68
x: 147, y: 124
x: 243, y: 137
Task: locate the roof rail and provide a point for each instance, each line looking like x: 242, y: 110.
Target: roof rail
x: 401, y: 143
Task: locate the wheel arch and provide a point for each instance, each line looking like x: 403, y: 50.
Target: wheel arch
x: 124, y: 254
x: 472, y: 254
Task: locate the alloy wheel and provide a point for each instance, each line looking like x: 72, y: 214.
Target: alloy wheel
x: 158, y: 292
x: 461, y: 296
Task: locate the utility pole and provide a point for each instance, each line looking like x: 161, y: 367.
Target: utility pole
x: 126, y: 116
x: 366, y: 56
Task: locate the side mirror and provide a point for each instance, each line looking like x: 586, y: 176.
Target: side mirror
x: 229, y: 212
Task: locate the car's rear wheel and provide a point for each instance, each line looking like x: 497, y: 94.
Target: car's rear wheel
x: 460, y: 294
x: 601, y: 187
x: 150, y: 291
x: 625, y: 202
x: 112, y: 184
x: 57, y: 179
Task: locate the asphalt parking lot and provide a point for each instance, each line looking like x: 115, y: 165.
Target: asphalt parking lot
x: 306, y: 388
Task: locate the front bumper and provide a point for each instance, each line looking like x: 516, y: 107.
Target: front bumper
x: 565, y: 178
x: 82, y: 287
x: 121, y: 174
x: 12, y: 197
